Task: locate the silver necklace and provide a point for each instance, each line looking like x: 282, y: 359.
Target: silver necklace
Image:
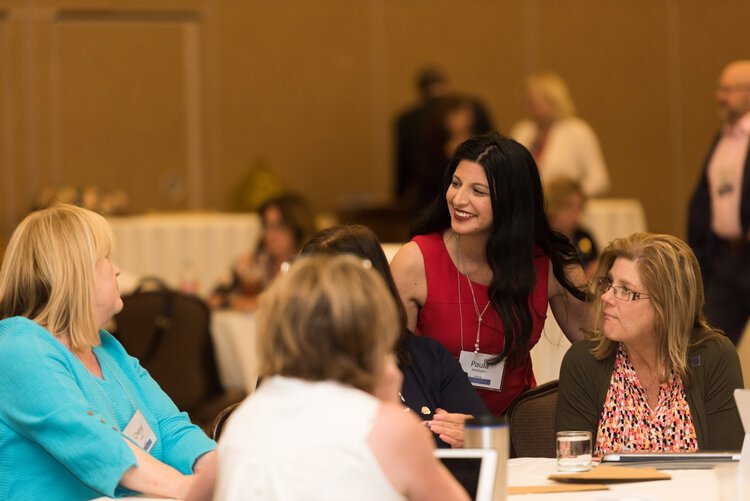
x: 473, y: 297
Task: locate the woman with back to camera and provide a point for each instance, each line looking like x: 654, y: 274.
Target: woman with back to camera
x: 652, y: 375
x: 484, y: 264
x: 315, y: 429
x: 79, y: 418
x: 435, y: 387
x: 561, y: 143
x: 287, y: 223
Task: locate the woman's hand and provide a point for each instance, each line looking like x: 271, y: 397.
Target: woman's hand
x: 449, y: 427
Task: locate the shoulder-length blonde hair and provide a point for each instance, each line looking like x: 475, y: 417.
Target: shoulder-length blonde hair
x: 48, y: 272
x: 672, y: 278
x: 328, y: 318
x: 555, y: 92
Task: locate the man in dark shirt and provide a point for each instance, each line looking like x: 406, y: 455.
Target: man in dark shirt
x: 719, y: 220
x: 413, y: 129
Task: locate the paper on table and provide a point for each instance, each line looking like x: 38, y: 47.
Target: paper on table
x: 543, y: 489
x: 607, y: 473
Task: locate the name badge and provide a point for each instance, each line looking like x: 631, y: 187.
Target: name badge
x: 140, y: 432
x: 481, y: 373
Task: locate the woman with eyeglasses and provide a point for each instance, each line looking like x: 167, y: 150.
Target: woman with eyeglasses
x: 652, y: 375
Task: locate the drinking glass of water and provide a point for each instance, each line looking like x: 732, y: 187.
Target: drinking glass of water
x: 573, y: 450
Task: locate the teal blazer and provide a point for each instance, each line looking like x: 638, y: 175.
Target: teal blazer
x: 60, y: 426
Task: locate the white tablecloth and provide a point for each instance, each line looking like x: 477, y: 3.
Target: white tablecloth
x: 547, y: 354
x: 610, y: 218
x: 234, y: 343
x: 684, y: 485
x: 180, y: 246
x: 233, y: 335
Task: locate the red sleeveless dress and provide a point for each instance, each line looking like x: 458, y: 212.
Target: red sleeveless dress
x: 439, y: 317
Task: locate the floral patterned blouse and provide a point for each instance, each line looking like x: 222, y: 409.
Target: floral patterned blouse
x: 628, y: 423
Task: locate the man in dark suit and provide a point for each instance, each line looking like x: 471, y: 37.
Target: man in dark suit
x: 719, y: 219
x: 413, y: 135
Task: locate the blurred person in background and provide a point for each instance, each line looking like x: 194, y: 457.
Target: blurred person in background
x: 451, y: 123
x: 719, y: 218
x: 562, y: 144
x: 287, y: 222
x: 79, y: 417
x: 435, y: 387
x: 326, y: 422
x: 565, y: 205
x: 415, y: 131
x: 652, y: 374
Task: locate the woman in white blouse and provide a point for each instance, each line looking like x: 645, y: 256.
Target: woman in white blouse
x: 562, y: 144
x: 327, y: 422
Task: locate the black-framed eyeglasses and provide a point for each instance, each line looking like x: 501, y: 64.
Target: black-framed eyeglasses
x: 620, y: 292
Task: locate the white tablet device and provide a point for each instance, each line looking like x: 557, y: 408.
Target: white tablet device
x: 672, y: 460
x: 475, y: 470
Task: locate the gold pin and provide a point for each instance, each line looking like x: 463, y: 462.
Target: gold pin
x: 426, y: 410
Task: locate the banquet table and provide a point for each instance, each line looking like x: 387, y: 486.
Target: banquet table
x: 685, y: 484
x: 547, y: 354
x: 233, y: 334
x: 195, y: 246
x: 701, y: 485
x: 610, y: 218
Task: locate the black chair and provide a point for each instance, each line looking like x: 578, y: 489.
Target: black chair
x: 531, y: 420
x: 169, y: 332
x: 218, y: 425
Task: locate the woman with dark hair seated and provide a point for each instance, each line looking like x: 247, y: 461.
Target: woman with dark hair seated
x: 287, y: 222
x: 435, y: 387
x: 483, y: 266
x: 652, y: 375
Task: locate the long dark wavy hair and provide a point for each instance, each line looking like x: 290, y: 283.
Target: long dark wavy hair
x: 519, y: 223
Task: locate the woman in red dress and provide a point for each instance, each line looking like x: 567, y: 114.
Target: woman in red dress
x: 484, y: 264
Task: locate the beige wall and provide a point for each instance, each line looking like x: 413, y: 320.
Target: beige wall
x: 173, y: 100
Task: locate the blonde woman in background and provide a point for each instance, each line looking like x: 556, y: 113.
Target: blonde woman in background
x: 562, y: 144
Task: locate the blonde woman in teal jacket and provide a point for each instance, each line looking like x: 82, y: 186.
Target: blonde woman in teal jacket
x: 79, y: 418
